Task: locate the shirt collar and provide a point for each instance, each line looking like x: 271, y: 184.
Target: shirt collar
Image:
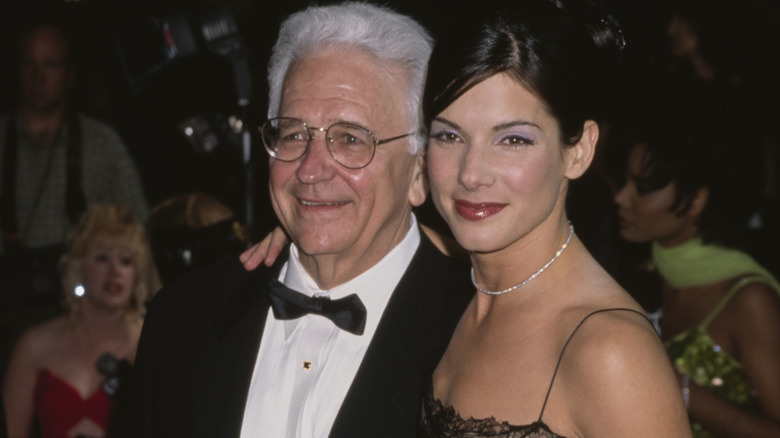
x: 374, y: 286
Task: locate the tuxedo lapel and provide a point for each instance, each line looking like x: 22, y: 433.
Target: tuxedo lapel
x: 384, y: 398
x: 225, y: 367
x: 196, y: 354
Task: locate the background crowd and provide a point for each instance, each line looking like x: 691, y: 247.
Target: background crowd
x: 151, y: 107
x: 171, y: 109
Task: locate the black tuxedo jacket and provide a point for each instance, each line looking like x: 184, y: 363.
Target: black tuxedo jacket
x: 201, y: 337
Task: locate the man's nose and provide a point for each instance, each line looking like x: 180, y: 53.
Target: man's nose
x: 317, y: 162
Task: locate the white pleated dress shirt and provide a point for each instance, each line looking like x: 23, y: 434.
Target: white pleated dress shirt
x: 305, y: 366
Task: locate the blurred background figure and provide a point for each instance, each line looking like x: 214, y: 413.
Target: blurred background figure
x: 64, y: 374
x: 192, y: 230
x: 691, y: 184
x: 733, y: 44
x: 54, y: 162
x: 710, y: 38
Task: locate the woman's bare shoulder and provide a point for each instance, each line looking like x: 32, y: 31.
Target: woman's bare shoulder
x: 756, y: 298
x: 37, y: 343
x: 615, y: 368
x: 611, y: 342
x: 616, y: 324
x: 755, y: 310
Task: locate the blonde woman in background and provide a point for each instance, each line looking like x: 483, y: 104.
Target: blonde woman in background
x: 64, y: 373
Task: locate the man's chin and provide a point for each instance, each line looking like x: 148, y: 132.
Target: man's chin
x: 314, y: 248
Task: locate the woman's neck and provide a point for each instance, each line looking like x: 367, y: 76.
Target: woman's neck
x: 520, y: 272
x: 111, y: 322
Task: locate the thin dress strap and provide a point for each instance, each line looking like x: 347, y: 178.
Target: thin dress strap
x: 742, y: 282
x: 560, y: 357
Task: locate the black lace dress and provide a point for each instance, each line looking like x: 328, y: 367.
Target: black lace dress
x: 439, y: 421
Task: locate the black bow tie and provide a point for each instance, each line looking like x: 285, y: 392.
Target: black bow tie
x: 347, y: 313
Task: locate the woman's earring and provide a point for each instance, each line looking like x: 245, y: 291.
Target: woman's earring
x: 78, y: 290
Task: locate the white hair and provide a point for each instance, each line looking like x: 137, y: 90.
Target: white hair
x: 378, y: 30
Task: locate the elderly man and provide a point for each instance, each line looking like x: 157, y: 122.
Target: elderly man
x: 339, y: 336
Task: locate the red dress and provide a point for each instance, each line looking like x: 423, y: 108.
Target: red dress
x: 59, y: 406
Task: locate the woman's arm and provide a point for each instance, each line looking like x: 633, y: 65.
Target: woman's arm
x: 19, y: 384
x: 266, y: 251
x: 754, y: 316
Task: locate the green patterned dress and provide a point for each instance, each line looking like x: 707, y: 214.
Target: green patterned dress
x: 695, y: 354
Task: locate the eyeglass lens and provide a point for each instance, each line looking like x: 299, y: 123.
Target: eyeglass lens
x: 287, y: 140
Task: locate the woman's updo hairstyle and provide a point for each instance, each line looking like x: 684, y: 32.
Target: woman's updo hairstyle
x: 563, y: 51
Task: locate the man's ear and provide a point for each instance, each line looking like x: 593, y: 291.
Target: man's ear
x: 418, y: 189
x: 579, y: 156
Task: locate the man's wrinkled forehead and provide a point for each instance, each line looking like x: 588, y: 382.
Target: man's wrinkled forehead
x: 346, y: 72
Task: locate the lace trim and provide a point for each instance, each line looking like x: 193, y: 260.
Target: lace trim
x: 441, y: 421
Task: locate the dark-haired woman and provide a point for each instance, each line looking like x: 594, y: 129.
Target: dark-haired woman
x: 691, y: 187
x: 550, y: 346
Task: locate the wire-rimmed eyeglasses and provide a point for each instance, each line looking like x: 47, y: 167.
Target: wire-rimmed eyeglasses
x: 352, y: 146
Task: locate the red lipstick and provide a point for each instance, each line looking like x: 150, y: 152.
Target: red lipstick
x: 477, y: 211
x: 113, y: 288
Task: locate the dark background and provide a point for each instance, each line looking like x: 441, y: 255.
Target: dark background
x: 147, y: 113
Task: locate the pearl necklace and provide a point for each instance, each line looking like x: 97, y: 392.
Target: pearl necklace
x: 536, y: 274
